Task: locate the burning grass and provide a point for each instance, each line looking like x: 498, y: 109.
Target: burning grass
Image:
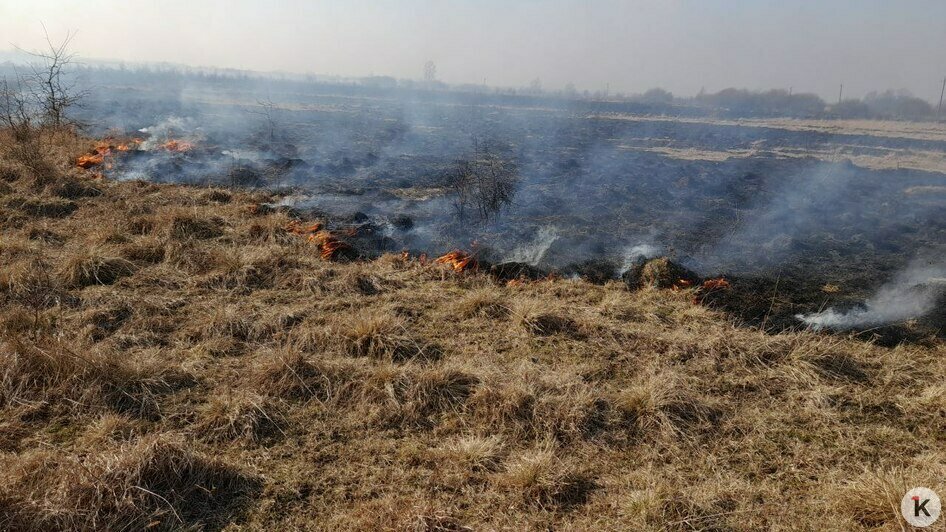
x: 460, y: 261
x: 174, y: 358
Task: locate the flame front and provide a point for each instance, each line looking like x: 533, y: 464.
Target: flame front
x: 330, y: 247
x: 104, y: 150
x: 715, y: 284
x: 297, y: 228
x: 460, y: 261
x: 177, y: 146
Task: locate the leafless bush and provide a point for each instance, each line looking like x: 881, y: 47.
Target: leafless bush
x: 482, y: 185
x: 48, y: 84
x: 39, y: 97
x: 18, y: 116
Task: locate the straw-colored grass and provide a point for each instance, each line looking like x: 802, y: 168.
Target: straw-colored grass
x: 172, y: 358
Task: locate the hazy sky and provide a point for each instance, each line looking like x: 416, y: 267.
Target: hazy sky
x: 681, y: 45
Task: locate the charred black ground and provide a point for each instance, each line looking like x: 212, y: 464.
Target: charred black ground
x: 782, y: 212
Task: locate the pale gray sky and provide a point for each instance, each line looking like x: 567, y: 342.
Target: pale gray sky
x: 681, y: 45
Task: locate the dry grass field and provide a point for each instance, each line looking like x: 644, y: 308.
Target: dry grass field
x: 174, y: 357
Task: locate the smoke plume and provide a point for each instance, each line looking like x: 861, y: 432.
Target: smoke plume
x: 913, y: 293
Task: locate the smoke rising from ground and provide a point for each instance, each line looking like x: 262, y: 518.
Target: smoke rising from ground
x: 594, y: 189
x: 912, y: 293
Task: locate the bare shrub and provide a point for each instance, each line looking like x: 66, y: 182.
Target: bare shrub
x: 49, y: 83
x: 482, y: 186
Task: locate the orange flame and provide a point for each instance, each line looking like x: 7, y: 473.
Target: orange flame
x: 715, y: 284
x: 297, y: 228
x: 90, y: 160
x: 330, y: 247
x: 460, y: 261
x: 102, y: 151
x: 177, y: 146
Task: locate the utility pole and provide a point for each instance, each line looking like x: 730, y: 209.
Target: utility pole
x: 939, y: 110
x: 840, y: 92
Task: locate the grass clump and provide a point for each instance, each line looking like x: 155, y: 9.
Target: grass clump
x: 184, y: 226
x: 241, y: 417
x: 483, y: 303
x: 380, y: 335
x: 95, y: 267
x: 541, y: 476
x: 156, y: 483
x: 663, y: 405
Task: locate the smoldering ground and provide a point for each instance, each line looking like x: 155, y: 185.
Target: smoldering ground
x: 589, y: 187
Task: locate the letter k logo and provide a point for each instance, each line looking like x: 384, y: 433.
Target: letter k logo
x: 920, y: 506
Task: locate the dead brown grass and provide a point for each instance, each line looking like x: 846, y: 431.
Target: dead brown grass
x: 92, y: 267
x: 172, y: 358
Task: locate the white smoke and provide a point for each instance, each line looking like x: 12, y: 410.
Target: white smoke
x: 172, y: 127
x: 636, y: 252
x: 533, y: 252
x: 911, y: 294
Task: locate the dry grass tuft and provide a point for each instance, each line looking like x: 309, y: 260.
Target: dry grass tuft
x: 380, y: 335
x: 30, y: 283
x: 483, y: 303
x: 432, y: 392
x: 663, y: 404
x: 73, y: 188
x: 42, y: 207
x: 475, y: 453
x: 215, y: 195
x: 533, y: 317
x: 104, y: 321
x: 145, y: 252
x: 154, y: 483
x: 541, y: 476
x: 872, y: 500
x: 288, y: 374
x: 183, y: 226
x: 10, y: 172
x: 95, y: 266
x: 247, y: 418
x: 45, y: 236
x: 50, y: 373
x: 110, y: 427
x: 228, y: 322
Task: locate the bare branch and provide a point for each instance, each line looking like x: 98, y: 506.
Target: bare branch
x: 48, y: 84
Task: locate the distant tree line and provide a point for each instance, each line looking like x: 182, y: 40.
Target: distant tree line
x: 886, y: 105
x: 729, y: 102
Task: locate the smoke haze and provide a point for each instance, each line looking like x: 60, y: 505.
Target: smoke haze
x: 628, y: 45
